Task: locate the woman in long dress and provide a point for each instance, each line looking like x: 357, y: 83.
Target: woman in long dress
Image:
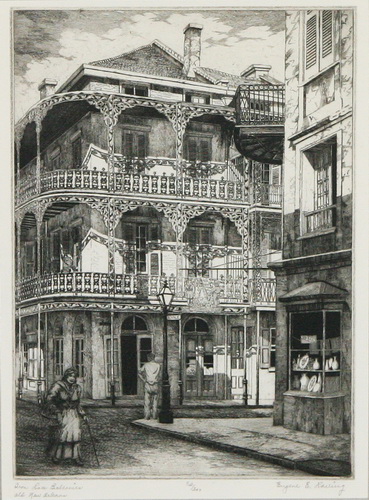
x: 64, y: 400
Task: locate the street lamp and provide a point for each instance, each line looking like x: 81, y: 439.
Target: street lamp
x: 165, y: 297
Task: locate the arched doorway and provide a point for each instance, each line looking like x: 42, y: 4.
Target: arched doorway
x: 136, y: 343
x: 199, y: 360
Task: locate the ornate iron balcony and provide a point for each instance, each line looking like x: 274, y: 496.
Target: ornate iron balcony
x: 260, y: 104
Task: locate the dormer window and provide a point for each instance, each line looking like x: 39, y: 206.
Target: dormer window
x: 137, y: 90
x: 198, y: 99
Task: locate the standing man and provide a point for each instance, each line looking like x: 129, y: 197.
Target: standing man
x: 150, y: 374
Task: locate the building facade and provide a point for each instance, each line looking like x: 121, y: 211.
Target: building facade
x: 314, y: 292
x: 126, y: 176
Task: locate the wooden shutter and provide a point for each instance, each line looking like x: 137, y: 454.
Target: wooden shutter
x: 265, y: 348
x: 154, y: 264
x: 127, y: 146
x: 205, y: 150
x: 276, y: 175
x: 128, y: 233
x: 326, y: 48
x: 311, y: 43
x: 191, y: 149
x: 77, y: 152
x: 141, y: 145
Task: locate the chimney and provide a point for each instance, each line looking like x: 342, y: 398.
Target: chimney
x: 256, y: 70
x: 47, y: 87
x: 192, y: 48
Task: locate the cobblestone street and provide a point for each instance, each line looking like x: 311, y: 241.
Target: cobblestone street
x: 127, y: 451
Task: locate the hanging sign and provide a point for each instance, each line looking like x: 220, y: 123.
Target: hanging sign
x: 174, y: 317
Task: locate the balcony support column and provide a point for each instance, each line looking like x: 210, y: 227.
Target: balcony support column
x: 256, y: 223
x: 245, y: 234
x: 17, y: 178
x: 18, y: 255
x: 20, y: 356
x: 38, y: 123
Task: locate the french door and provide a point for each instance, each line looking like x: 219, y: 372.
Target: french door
x: 199, y: 367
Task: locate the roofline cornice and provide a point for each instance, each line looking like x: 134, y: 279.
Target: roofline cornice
x: 89, y: 70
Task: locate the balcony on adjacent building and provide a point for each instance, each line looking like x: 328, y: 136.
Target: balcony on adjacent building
x: 260, y: 122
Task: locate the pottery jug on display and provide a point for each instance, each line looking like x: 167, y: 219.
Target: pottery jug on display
x: 330, y: 361
x: 316, y: 364
x: 335, y: 364
x: 296, y: 382
x: 318, y: 385
x: 304, y: 382
x: 326, y: 365
x: 298, y: 362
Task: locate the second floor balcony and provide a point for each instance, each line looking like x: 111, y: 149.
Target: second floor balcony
x: 189, y: 290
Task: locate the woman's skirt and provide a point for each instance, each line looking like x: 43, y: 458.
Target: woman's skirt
x: 68, y: 437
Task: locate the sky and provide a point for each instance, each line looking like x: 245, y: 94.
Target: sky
x: 54, y: 43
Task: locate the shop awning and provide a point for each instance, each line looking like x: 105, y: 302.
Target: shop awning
x: 315, y: 290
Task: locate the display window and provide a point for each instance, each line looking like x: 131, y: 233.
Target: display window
x: 315, y: 351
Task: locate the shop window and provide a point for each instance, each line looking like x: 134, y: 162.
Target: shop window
x: 59, y: 357
x: 79, y: 356
x: 319, y: 48
x: 197, y: 148
x: 267, y: 348
x: 320, y: 180
x: 315, y: 351
x: 77, y: 152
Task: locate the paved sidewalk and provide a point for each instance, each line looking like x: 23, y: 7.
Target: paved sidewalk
x: 258, y: 438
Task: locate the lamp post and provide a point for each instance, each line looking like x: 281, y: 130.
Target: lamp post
x: 165, y: 297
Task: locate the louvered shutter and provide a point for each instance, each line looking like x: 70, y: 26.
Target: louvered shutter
x: 326, y: 44
x: 265, y: 348
x: 141, y: 145
x: 205, y: 150
x: 154, y: 264
x: 127, y: 149
x: 311, y: 43
x: 191, y: 149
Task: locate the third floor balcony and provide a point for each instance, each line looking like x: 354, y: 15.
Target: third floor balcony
x: 259, y: 128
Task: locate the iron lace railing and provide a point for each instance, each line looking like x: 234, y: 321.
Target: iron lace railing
x: 260, y: 104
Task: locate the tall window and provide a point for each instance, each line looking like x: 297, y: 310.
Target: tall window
x: 79, y: 354
x: 136, y: 237
x: 199, y: 239
x: 77, y: 152
x: 29, y: 260
x: 318, y: 41
x: 322, y: 178
x: 134, y: 144
x: 198, y: 148
x: 59, y: 356
x: 66, y: 249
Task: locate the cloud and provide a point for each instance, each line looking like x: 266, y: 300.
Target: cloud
x: 55, y: 50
